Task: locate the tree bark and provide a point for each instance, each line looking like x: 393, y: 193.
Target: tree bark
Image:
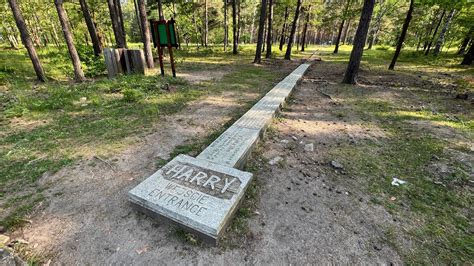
x: 239, y: 20
x: 269, y: 29
x: 206, y: 23
x: 137, y: 15
x: 345, y: 31
x: 359, y: 42
x: 54, y: 33
x: 429, y: 30
x: 465, y: 42
x: 435, y: 32
x: 373, y: 32
x: 177, y: 28
x: 91, y: 28
x: 283, y: 29
x: 76, y: 62
x: 160, y: 10
x: 226, y: 27
x: 261, y: 25
x: 341, y: 27
x: 116, y: 24
x: 196, y: 30
x: 145, y: 33
x: 440, y: 41
x: 338, y: 38
x: 305, y: 29
x: 7, y: 31
x: 121, y: 23
x: 293, y: 31
x: 469, y: 56
x: 401, y: 39
x: 26, y: 39
x: 235, y: 46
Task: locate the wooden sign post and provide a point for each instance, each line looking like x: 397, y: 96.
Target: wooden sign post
x: 164, y: 35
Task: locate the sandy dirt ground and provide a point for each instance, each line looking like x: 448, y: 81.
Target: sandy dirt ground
x: 307, y: 211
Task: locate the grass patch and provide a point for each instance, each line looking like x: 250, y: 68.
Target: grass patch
x: 438, y: 223
x: 48, y: 126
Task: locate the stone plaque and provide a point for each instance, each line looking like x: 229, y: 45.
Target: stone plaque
x: 202, y: 194
x: 232, y: 147
x: 195, y: 194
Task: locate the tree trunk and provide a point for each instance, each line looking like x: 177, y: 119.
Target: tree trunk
x: 91, y: 28
x: 116, y: 24
x: 293, y: 31
x: 318, y: 37
x: 226, y: 27
x: 177, y: 29
x: 137, y: 15
x: 283, y: 29
x: 196, y: 30
x: 440, y: 41
x: 34, y: 33
x: 10, y: 36
x: 76, y: 62
x: 264, y: 34
x: 39, y: 30
x: 359, y: 42
x: 465, y: 42
x: 341, y: 27
x: 252, y: 27
x: 345, y: 31
x: 206, y: 23
x: 160, y: 10
x: 469, y: 56
x: 121, y: 23
x: 261, y: 25
x: 269, y: 29
x: 54, y: 33
x: 338, y: 38
x: 305, y: 29
x: 429, y: 31
x: 145, y: 33
x: 25, y: 38
x: 401, y: 39
x: 235, y: 46
x: 239, y: 20
x: 435, y: 32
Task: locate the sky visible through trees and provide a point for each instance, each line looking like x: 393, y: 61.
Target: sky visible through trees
x: 432, y: 26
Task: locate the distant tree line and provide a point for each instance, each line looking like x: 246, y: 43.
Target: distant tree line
x: 429, y: 26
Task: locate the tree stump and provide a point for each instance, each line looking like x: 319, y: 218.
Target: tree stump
x: 124, y: 61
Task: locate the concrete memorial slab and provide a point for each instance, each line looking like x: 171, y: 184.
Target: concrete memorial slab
x: 198, y: 195
x: 201, y: 194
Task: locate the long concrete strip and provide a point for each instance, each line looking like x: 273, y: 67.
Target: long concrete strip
x: 202, y: 194
x: 234, y: 145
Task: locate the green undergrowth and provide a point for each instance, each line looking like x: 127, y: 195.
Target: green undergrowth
x: 46, y: 126
x: 434, y: 205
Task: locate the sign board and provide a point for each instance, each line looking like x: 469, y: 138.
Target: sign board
x: 160, y: 35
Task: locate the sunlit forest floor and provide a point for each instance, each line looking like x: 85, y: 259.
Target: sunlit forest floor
x: 67, y: 148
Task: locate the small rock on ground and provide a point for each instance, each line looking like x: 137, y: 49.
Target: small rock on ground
x: 4, y: 240
x: 337, y: 165
x: 309, y: 147
x: 275, y: 160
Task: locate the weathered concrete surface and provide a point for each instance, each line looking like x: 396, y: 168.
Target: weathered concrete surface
x: 195, y: 194
x: 234, y: 145
x: 201, y: 194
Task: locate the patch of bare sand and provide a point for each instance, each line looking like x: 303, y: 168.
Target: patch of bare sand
x: 196, y: 77
x: 88, y: 218
x: 305, y: 215
x: 311, y: 212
